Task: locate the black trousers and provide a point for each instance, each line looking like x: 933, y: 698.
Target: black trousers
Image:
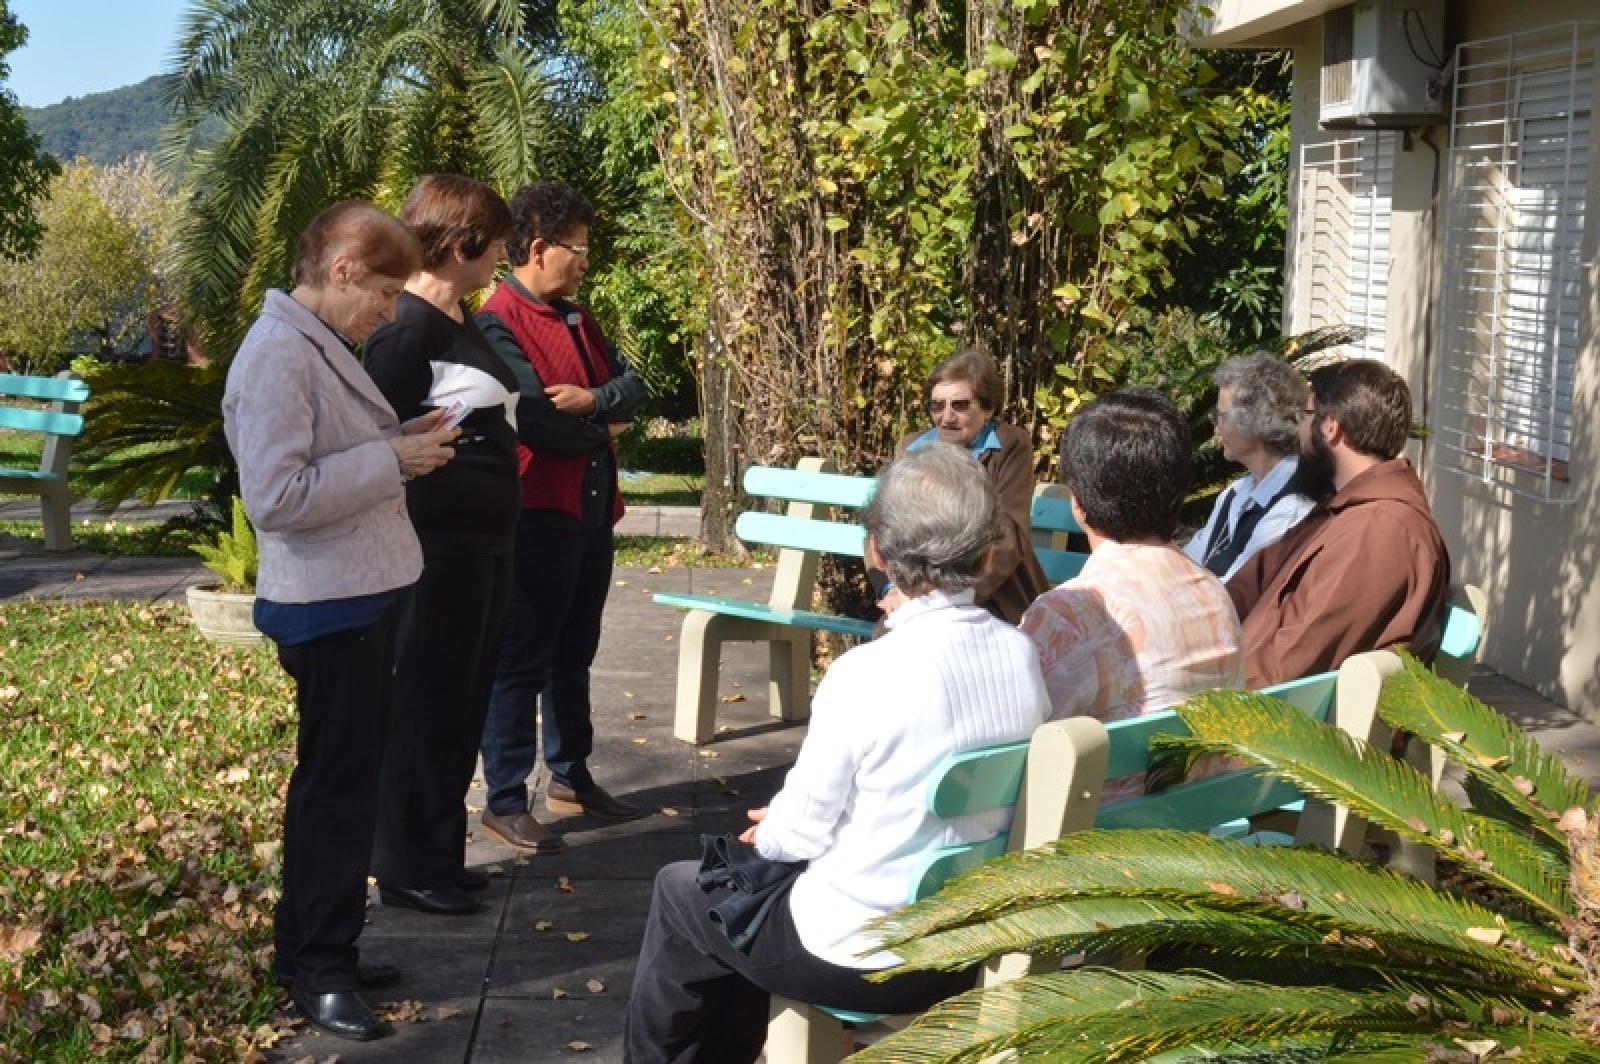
x: 448, y: 642
x: 563, y: 573
x: 342, y: 689
x: 696, y: 998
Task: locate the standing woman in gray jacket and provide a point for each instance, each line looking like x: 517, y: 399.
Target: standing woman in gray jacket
x: 322, y: 466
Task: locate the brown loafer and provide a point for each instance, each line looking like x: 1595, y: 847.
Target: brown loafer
x: 593, y: 801
x: 523, y: 831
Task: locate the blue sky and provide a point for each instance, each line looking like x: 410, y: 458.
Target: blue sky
x: 76, y: 47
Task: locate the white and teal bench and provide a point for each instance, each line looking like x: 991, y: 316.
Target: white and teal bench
x: 808, y: 529
x: 49, y: 409
x: 1056, y: 782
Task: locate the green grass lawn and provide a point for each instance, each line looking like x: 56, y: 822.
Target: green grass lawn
x: 21, y: 450
x: 662, y: 489
x: 126, y: 539
x: 141, y: 779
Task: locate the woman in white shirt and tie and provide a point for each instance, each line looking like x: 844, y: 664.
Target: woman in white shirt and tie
x: 1259, y: 399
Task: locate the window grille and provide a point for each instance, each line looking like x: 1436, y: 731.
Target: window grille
x: 1343, y: 213
x: 1514, y: 267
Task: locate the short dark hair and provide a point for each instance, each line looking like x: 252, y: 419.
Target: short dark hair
x: 547, y: 210
x: 1127, y: 460
x: 975, y: 366
x: 450, y: 213
x: 367, y: 235
x: 1370, y: 402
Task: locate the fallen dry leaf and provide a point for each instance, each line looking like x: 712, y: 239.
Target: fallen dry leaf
x: 595, y: 986
x: 579, y: 1047
x: 639, y: 740
x: 735, y: 698
x: 667, y: 810
x: 556, y: 993
x: 577, y: 936
x: 1489, y: 936
x: 563, y: 884
x: 446, y: 1012
x: 1222, y: 888
x: 543, y: 925
x: 16, y: 941
x: 638, y: 716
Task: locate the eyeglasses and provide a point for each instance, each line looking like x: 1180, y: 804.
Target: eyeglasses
x: 959, y: 406
x: 576, y: 249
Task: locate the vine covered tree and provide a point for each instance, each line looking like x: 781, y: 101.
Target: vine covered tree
x: 868, y: 185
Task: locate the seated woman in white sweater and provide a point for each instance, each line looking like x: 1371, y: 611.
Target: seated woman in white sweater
x: 947, y: 677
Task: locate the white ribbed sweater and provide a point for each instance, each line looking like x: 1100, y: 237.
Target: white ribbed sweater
x: 947, y: 677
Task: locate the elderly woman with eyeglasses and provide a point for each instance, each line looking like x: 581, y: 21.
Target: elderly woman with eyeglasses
x: 963, y: 395
x: 1257, y: 421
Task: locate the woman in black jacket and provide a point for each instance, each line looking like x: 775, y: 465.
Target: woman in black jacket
x: 433, y: 356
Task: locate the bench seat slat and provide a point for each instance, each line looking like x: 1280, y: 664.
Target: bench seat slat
x: 48, y: 421
x: 25, y: 477
x: 47, y: 389
x: 1201, y: 805
x: 795, y: 485
x: 756, y: 611
x: 777, y: 530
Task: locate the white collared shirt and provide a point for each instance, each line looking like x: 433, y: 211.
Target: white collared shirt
x: 1279, y: 518
x: 946, y: 678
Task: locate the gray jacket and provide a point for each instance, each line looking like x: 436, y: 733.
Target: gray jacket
x: 310, y: 432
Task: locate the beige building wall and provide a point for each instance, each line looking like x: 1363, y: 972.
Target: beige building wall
x: 1536, y: 560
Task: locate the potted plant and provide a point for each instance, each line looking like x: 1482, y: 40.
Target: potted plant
x: 223, y: 611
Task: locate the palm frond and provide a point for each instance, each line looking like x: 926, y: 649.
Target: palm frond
x: 1181, y: 864
x: 1099, y: 1015
x: 148, y: 426
x: 1323, y: 761
x: 1495, y: 753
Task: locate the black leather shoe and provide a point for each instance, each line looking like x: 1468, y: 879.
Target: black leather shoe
x: 593, y: 801
x: 342, y: 1013
x: 443, y: 901
x: 368, y: 976
x: 472, y: 879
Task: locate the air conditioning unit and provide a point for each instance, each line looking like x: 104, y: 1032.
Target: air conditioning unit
x: 1382, y: 63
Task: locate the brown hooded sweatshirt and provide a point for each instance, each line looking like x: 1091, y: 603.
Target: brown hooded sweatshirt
x: 1364, y: 571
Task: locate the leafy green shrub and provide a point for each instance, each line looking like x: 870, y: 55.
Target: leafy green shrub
x: 662, y: 454
x: 234, y: 557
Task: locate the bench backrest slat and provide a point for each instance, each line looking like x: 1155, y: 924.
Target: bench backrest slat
x: 1216, y: 799
x: 795, y: 485
x: 1060, y: 565
x: 1053, y: 513
x: 799, y: 533
x: 45, y: 421
x: 60, y: 389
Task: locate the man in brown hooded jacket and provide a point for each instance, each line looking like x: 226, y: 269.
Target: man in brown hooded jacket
x: 1367, y: 568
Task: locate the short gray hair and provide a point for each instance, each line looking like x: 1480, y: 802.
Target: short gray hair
x: 933, y: 518
x: 1268, y: 395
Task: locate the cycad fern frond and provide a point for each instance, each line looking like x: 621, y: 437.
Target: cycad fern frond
x: 1495, y: 753
x: 147, y: 426
x: 1136, y: 890
x: 1099, y: 1015
x: 1323, y: 761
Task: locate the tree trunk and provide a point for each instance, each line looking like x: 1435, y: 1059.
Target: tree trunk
x: 719, y: 500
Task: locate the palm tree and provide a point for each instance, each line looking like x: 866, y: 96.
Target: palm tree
x: 285, y: 106
x: 1294, y: 954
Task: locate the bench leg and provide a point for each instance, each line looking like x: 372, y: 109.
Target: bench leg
x: 800, y: 1034
x: 699, y: 656
x: 55, y: 510
x: 789, y: 689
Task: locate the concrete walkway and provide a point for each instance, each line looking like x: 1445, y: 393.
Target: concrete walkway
x: 543, y: 972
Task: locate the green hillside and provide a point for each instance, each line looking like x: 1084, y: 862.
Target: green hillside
x: 104, y: 128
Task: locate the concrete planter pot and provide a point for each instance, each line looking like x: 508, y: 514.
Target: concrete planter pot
x: 224, y: 616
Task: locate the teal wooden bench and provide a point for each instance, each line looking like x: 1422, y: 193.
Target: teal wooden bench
x: 1068, y: 763
x: 809, y: 528
x: 59, y: 423
x: 1053, y: 782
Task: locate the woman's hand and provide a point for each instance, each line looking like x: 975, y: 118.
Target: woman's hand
x: 571, y: 399
x: 748, y: 837
x: 422, y: 452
